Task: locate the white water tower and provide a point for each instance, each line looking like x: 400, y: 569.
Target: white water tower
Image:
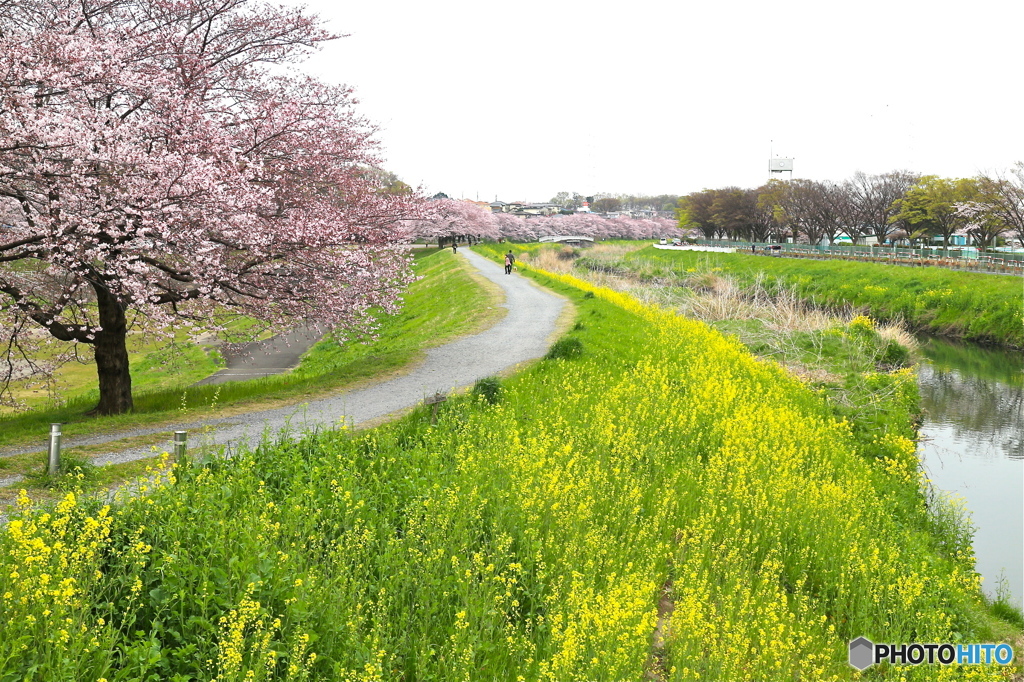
x: 780, y: 166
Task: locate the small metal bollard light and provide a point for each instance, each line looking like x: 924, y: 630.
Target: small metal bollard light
x: 180, y: 444
x: 53, y: 465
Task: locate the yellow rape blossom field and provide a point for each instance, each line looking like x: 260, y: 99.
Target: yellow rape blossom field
x: 660, y: 506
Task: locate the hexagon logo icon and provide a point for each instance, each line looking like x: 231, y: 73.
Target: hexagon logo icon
x: 862, y: 653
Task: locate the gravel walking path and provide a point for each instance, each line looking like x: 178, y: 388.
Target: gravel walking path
x: 523, y: 334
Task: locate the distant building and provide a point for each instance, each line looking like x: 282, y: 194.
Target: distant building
x: 844, y: 238
x: 523, y: 208
x: 538, y: 209
x: 959, y: 238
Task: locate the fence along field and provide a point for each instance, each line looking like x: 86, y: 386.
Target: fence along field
x: 664, y: 478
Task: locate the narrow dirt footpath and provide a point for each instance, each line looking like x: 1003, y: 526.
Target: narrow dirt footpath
x: 523, y: 334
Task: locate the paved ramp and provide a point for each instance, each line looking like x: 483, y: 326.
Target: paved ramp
x: 265, y: 358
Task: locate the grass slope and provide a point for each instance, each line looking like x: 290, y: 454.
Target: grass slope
x: 660, y: 479
x: 155, y: 365
x: 973, y: 306
x: 446, y: 302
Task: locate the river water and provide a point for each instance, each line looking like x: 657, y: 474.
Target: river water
x: 973, y: 446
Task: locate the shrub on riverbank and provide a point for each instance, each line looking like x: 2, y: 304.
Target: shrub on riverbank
x: 968, y: 305
x: 664, y: 479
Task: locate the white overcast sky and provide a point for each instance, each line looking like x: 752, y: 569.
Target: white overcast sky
x: 521, y: 100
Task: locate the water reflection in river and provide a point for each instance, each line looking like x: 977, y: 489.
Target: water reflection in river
x: 973, y: 445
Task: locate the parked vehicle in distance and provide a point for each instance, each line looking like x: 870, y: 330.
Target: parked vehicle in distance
x: 663, y: 242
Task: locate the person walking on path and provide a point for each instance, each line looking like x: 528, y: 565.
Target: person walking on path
x: 509, y: 260
x: 455, y: 247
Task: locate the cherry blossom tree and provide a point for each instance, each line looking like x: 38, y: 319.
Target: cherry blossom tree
x: 981, y: 222
x: 1004, y: 196
x: 516, y: 228
x: 623, y: 227
x: 655, y: 228
x: 454, y: 220
x: 581, y: 224
x: 159, y: 162
x: 519, y: 229
x: 545, y: 226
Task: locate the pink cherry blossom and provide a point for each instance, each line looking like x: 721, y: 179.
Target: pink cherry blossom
x: 159, y: 162
x: 452, y: 219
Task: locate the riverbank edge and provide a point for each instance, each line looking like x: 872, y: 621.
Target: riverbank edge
x: 1010, y: 339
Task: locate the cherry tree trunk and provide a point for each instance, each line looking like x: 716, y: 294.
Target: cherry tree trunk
x: 112, y: 356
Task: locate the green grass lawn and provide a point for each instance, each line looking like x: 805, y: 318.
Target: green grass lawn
x: 446, y: 302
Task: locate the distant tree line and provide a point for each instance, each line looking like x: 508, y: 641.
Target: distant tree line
x: 452, y: 221
x: 891, y: 207
x: 612, y: 203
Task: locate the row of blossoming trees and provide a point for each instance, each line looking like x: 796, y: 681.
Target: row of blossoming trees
x: 160, y: 162
x: 452, y: 221
x: 889, y: 207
